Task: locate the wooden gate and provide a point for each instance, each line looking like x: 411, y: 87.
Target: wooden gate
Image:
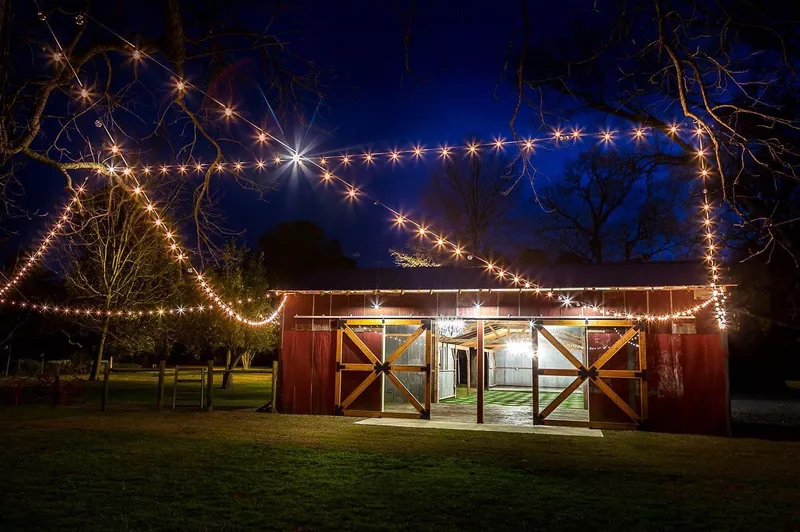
x: 595, y: 374
x: 373, y: 368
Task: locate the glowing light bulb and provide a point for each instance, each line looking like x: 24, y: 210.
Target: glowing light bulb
x: 422, y: 231
x: 346, y: 159
x: 164, y: 170
x: 607, y: 136
x: 394, y: 156
x: 471, y: 149
x: 181, y: 86
x: 115, y: 149
x: 322, y: 161
x: 277, y: 159
x: 126, y: 171
x: 639, y: 133
x: 262, y: 137
x: 673, y: 129
x: 57, y: 57
x: 400, y: 220
x: 237, y: 166
x: 296, y: 158
x: 137, y: 55
x: 368, y: 157
x: 228, y: 112
x: 182, y: 169
x: 146, y: 170
x: 198, y: 167
x: 418, y: 151
x: 84, y: 93
x: 440, y: 242
x: 352, y: 192
x: 445, y: 152
x: 260, y: 164
x: 528, y: 144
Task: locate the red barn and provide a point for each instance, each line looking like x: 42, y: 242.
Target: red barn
x: 626, y: 345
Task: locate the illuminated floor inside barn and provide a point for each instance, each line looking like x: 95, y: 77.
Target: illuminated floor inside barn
x: 505, y: 407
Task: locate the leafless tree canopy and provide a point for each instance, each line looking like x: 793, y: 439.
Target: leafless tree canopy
x: 45, y: 121
x: 114, y: 258
x: 613, y: 207
x: 470, y: 198
x: 730, y: 66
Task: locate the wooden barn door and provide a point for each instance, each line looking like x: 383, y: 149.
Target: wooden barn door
x: 604, y: 372
x: 364, y: 368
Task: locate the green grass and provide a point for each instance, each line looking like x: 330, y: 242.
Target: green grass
x: 513, y: 398
x: 137, y: 390
x: 67, y: 469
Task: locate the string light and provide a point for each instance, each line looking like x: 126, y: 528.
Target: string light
x: 445, y: 153
x: 54, y: 230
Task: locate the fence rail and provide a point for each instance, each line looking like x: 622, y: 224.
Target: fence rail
x: 206, y: 373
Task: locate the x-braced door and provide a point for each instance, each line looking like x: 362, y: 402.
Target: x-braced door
x: 597, y: 376
x: 367, y: 368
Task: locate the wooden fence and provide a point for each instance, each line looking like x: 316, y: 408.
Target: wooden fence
x: 207, y: 373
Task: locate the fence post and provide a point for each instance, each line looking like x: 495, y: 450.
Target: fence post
x: 274, y: 386
x: 57, y: 386
x: 162, y: 365
x: 210, y: 386
x: 104, y: 397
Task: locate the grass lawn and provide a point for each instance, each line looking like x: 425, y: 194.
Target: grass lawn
x: 137, y: 390
x: 131, y: 470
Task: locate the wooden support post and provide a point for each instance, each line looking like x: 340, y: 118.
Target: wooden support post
x: 162, y: 366
x: 468, y: 358
x: 643, y: 390
x: 202, y: 388
x: 210, y: 386
x: 535, y: 375
x: 104, y: 397
x: 428, y: 362
x: 275, y: 368
x: 481, y: 371
x: 435, y: 363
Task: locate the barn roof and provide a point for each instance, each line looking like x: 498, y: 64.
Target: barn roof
x: 628, y: 275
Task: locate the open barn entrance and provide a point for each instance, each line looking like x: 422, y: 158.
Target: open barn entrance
x: 509, y: 377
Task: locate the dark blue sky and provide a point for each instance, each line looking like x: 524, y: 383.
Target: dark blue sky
x: 458, y: 48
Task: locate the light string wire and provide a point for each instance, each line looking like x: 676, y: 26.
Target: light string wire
x: 400, y: 219
x: 174, y: 249
x: 718, y: 293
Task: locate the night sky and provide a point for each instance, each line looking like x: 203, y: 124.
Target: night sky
x: 459, y: 51
x: 459, y: 48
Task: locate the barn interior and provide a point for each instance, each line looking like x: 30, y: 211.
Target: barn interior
x: 508, y: 377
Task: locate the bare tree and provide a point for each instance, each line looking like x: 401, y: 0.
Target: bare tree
x: 470, y: 197
x: 610, y: 206
x: 53, y: 95
x: 116, y: 258
x: 729, y: 66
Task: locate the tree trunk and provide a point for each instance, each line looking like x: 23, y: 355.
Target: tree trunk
x: 230, y: 363
x: 99, y: 359
x: 247, y: 360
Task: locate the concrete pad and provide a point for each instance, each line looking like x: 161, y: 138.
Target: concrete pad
x: 456, y: 425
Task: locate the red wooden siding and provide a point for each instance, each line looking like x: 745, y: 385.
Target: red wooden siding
x: 686, y: 376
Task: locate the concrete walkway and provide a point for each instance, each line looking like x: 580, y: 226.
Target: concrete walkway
x: 456, y: 425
